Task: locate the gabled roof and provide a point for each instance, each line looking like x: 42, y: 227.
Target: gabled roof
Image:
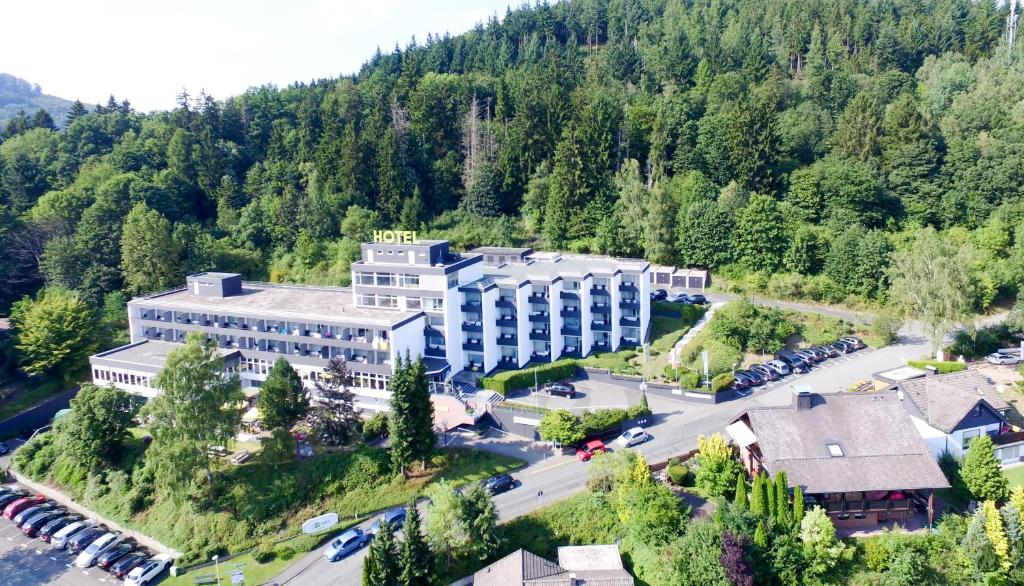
x: 881, y: 449
x: 944, y: 400
x: 522, y: 568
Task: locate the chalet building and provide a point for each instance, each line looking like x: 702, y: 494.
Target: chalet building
x: 857, y: 455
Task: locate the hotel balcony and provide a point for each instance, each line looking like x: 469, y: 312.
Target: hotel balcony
x: 571, y: 352
x: 570, y: 311
x: 629, y: 322
x: 435, y: 351
x: 629, y: 304
x: 600, y: 290
x: 539, y: 316
x: 505, y: 302
x: 629, y: 341
x: 473, y: 345
x: 601, y: 326
x: 506, y: 320
x: 601, y: 308
x: 569, y: 295
x: 543, y: 336
x: 628, y: 286
x: 507, y: 340
x: 571, y: 330
x: 472, y: 326
x: 472, y: 307
x: 540, y: 299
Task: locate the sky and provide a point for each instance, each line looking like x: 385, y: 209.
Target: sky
x: 148, y: 50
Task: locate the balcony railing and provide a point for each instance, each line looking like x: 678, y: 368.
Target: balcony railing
x: 601, y: 308
x: 473, y: 346
x: 506, y: 320
x: 570, y: 330
x: 600, y: 290
x: 569, y: 295
x: 472, y: 307
x: 539, y: 316
x: 507, y: 302
x: 472, y: 326
x: 540, y: 336
x: 629, y: 304
x: 539, y: 299
x: 627, y: 286
x: 601, y: 326
x: 507, y: 340
x: 629, y: 321
x: 435, y: 351
x: 570, y: 311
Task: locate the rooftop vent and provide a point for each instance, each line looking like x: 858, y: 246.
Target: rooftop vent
x: 834, y: 450
x: 802, y: 398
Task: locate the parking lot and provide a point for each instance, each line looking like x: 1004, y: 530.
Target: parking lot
x: 25, y: 561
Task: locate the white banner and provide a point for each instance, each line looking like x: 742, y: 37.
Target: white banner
x: 318, y: 524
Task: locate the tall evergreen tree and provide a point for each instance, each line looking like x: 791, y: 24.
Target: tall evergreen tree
x: 481, y: 521
x: 659, y: 229
x: 77, y: 110
x: 333, y: 413
x: 758, y: 498
x: 411, y: 424
x: 782, y: 515
x: 740, y: 498
x: 415, y: 553
x: 150, y: 257
x: 380, y: 568
x: 283, y: 399
x: 981, y: 471
x: 798, y: 505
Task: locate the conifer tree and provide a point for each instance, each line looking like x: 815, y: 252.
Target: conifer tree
x: 283, y: 399
x: 380, y: 567
x: 773, y: 498
x: 781, y: 499
x: 997, y: 534
x: 758, y: 504
x: 415, y: 556
x: 411, y: 424
x: 981, y: 472
x: 740, y: 499
x: 798, y: 505
x: 761, y: 535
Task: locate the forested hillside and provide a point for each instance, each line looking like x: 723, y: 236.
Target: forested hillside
x: 18, y: 96
x: 796, y: 144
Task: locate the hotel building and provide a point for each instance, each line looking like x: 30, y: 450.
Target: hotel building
x: 479, y: 311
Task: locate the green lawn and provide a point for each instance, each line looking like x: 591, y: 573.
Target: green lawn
x: 1015, y: 475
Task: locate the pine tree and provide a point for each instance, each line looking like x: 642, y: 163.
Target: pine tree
x: 761, y: 535
x: 380, y: 568
x: 773, y: 498
x: 758, y: 502
x: 981, y: 471
x: 740, y: 498
x: 782, y: 515
x: 415, y: 557
x: 411, y: 425
x: 77, y: 110
x: 798, y: 505
x: 334, y: 414
x: 481, y: 521
x: 283, y: 399
x: 659, y: 230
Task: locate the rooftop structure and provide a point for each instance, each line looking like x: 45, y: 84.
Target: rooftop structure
x: 581, y: 565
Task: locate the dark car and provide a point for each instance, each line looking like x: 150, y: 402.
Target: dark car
x: 766, y: 371
x: 10, y: 497
x: 33, y: 524
x: 23, y: 503
x: 796, y: 363
x: 659, y: 295
x: 829, y: 351
x: 681, y: 298
x: 499, y: 483
x: 843, y: 347
x: 114, y: 554
x: 25, y: 514
x: 83, y: 538
x: 753, y: 379
x: 818, y: 353
x: 54, y: 525
x: 121, y: 567
x: 739, y: 383
x: 560, y: 389
x: 699, y: 299
x: 856, y: 342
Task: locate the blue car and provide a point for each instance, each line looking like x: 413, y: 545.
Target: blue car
x: 393, y: 517
x: 346, y: 543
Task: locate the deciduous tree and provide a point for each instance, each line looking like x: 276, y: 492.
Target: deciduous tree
x: 94, y: 431
x: 54, y: 333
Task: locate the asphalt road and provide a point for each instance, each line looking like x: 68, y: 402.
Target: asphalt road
x: 552, y: 477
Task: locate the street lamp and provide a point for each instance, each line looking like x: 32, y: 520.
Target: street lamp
x: 216, y: 565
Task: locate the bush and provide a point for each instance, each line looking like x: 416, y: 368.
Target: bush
x: 983, y: 342
x: 722, y: 382
x: 943, y: 367
x: 689, y: 380
x: 560, y: 426
x: 305, y: 543
x: 885, y: 328
x: 678, y: 474
x: 503, y: 382
x: 375, y: 427
x: 671, y: 373
x: 264, y: 552
x: 593, y: 422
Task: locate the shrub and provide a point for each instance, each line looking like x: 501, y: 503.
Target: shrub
x: 375, y: 427
x: 678, y: 474
x: 689, y: 380
x: 593, y: 422
x: 722, y: 382
x: 560, y: 426
x: 671, y: 373
x: 943, y: 367
x: 304, y: 543
x: 264, y: 552
x: 503, y: 382
x: 885, y: 328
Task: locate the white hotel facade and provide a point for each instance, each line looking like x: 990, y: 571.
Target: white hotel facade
x: 479, y: 311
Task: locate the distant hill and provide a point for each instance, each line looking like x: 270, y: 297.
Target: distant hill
x: 18, y: 94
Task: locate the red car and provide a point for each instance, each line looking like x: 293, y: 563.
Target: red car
x: 588, y: 450
x: 22, y: 504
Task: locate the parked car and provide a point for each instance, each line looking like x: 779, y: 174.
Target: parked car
x: 681, y: 298
x: 30, y: 511
x: 114, y: 554
x: 240, y: 457
x: 857, y: 342
x: 7, y: 488
x: 47, y: 531
x: 818, y: 353
x: 1003, y: 358
x: 779, y: 367
x: 33, y: 524
x: 807, y: 357
x: 766, y: 371
x: 659, y: 295
x: 394, y: 517
x: 123, y: 566
x: 740, y: 383
x: 82, y: 539
x: 62, y: 538
x: 589, y: 449
x: 23, y: 503
x: 828, y: 350
x: 743, y: 376
x: 758, y: 378
x: 11, y: 496
x: 499, y: 483
x: 795, y: 363
x: 632, y: 437
x: 345, y: 544
x: 560, y: 389
x: 143, y: 574
x: 98, y: 547
x: 842, y: 347
x: 699, y: 299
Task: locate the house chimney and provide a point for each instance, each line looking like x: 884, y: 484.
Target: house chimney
x: 930, y: 370
x: 802, y: 399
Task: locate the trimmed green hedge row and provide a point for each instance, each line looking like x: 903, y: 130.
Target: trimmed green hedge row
x: 722, y: 382
x: 503, y: 382
x: 943, y: 367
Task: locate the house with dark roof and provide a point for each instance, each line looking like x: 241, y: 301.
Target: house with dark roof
x: 857, y: 455
x: 578, y: 565
x: 949, y: 410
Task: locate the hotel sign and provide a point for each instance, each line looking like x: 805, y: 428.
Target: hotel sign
x: 395, y: 237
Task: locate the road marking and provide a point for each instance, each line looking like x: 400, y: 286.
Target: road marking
x: 547, y: 468
x: 54, y: 559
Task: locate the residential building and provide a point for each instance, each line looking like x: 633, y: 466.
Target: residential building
x: 458, y: 311
x: 578, y: 565
x: 949, y: 410
x: 1009, y: 448
x: 857, y: 455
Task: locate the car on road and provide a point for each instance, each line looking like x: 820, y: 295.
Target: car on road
x: 779, y: 367
x: 23, y: 503
x: 394, y: 517
x: 123, y: 566
x: 699, y: 299
x: 766, y: 371
x: 589, y: 449
x: 499, y: 483
x: 114, y: 554
x: 31, y: 511
x: 150, y: 569
x: 632, y: 437
x: 659, y: 295
x: 345, y: 544
x: 98, y: 547
x: 1003, y: 358
x: 33, y: 524
x: 855, y: 341
x: 82, y: 539
x: 560, y: 389
x: 47, y: 531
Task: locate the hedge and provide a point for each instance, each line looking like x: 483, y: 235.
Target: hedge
x: 722, y: 382
x: 943, y: 367
x: 503, y: 382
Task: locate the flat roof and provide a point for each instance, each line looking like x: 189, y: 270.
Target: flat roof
x: 147, y: 353
x: 500, y: 250
x: 296, y: 302
x: 547, y: 266
x: 902, y: 373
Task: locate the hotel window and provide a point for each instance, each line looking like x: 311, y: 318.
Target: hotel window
x: 366, y: 299
x: 433, y: 303
x: 385, y: 280
x: 364, y: 278
x: 387, y: 301
x: 413, y: 303
x: 408, y: 280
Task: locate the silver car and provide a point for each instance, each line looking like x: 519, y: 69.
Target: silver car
x: 779, y: 366
x: 632, y: 437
